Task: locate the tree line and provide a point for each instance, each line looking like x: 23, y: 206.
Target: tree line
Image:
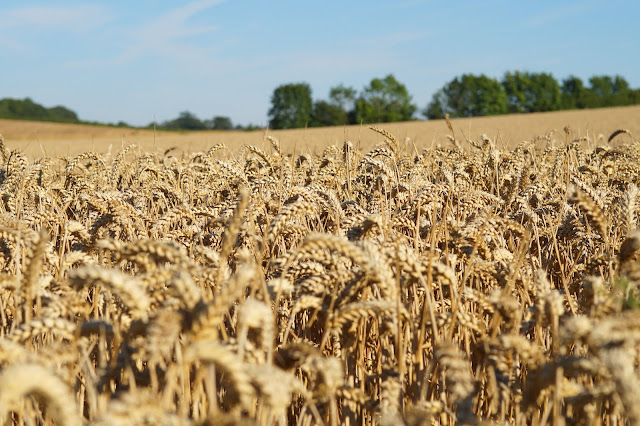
x: 388, y: 100
x: 469, y: 95
x: 189, y: 121
x: 26, y: 109
x: 383, y: 100
x: 520, y: 92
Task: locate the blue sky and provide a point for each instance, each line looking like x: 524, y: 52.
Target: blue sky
x: 136, y: 60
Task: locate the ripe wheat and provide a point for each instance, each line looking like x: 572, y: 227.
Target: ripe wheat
x: 453, y: 285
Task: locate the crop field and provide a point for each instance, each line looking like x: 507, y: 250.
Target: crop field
x: 38, y: 139
x: 389, y: 275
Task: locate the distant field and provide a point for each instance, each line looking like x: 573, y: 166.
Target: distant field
x: 37, y: 138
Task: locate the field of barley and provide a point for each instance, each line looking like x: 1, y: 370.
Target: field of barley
x: 360, y: 276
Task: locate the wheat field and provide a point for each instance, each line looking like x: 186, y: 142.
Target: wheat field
x: 465, y: 282
x: 38, y: 139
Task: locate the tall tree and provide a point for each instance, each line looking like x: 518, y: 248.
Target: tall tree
x: 531, y: 92
x: 60, y: 113
x: 186, y: 121
x: 608, y: 91
x: 220, y: 123
x: 468, y: 96
x: 23, y: 109
x: 574, y: 93
x: 291, y: 106
x: 600, y: 89
x: 27, y: 109
x: 327, y: 114
x: 338, y: 110
x: 439, y: 105
x: 384, y: 100
x: 545, y: 93
x: 516, y: 85
x: 343, y: 97
x: 622, y: 92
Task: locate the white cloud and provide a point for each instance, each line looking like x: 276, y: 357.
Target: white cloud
x: 162, y: 35
x: 555, y: 14
x: 408, y: 4
x: 373, y: 54
x: 11, y: 44
x: 77, y: 18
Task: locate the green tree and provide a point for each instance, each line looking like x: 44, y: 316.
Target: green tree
x: 531, y: 92
x: 249, y: 127
x: 291, y: 106
x: 344, y: 98
x: 600, y: 90
x: 27, y: 109
x: 384, y: 100
x: 608, y: 91
x: 186, y: 121
x: 574, y: 93
x: 60, y: 113
x: 439, y: 105
x: 545, y: 93
x: 220, y: 123
x: 622, y: 92
x: 468, y: 96
x: 516, y: 85
x: 327, y: 114
x: 24, y: 109
x: 338, y: 111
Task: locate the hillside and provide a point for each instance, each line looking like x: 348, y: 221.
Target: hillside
x: 70, y: 139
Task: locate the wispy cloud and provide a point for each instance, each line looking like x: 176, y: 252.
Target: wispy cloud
x: 408, y: 4
x: 162, y: 35
x: 332, y: 62
x: 557, y: 14
x: 11, y: 44
x: 355, y: 56
x: 77, y: 18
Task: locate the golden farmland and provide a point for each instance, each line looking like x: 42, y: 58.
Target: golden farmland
x: 34, y: 138
x: 410, y: 276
